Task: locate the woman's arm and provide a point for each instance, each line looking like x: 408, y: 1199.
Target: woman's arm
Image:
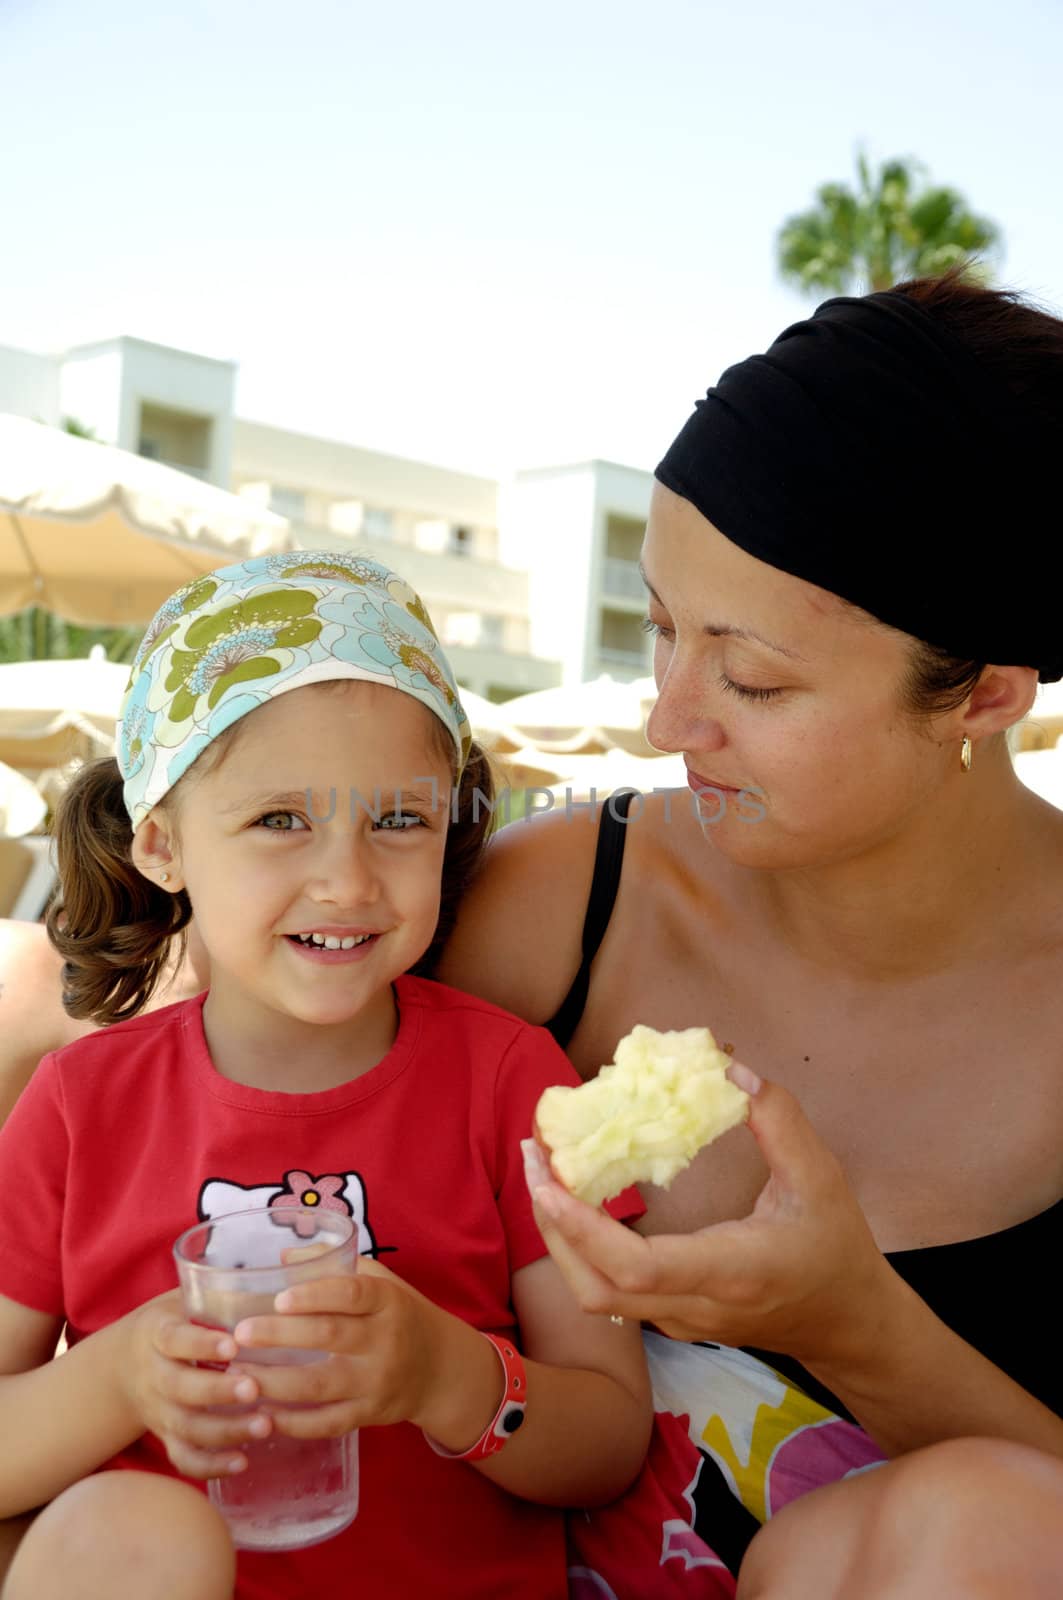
x: 801, y: 1275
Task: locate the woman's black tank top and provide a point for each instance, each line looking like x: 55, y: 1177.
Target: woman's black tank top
x: 993, y: 1291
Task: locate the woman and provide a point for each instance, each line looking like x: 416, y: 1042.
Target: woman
x: 865, y: 903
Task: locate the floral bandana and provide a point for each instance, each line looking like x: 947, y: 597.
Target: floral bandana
x: 228, y: 642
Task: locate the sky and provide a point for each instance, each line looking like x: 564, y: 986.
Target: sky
x: 487, y: 235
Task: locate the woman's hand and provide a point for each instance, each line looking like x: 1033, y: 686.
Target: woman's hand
x: 178, y: 1400
x: 801, y: 1275
x: 390, y: 1355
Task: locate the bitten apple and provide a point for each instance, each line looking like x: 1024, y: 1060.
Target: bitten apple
x: 644, y: 1117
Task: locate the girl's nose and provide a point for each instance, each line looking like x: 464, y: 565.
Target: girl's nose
x: 679, y: 721
x: 345, y: 872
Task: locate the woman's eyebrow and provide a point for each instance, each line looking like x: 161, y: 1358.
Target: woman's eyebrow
x: 719, y: 630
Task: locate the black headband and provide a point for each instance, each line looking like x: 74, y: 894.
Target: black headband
x: 869, y: 452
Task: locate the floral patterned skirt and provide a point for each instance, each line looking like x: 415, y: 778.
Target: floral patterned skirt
x: 733, y: 1442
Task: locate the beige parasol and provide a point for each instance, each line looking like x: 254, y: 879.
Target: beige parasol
x: 489, y: 725
x: 582, y: 718
x: 22, y: 807
x: 99, y: 535
x: 52, y: 712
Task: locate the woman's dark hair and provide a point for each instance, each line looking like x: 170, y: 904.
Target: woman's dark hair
x: 470, y: 827
x: 112, y: 926
x: 1021, y: 348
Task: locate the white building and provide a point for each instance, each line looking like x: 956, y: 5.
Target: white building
x: 529, y: 583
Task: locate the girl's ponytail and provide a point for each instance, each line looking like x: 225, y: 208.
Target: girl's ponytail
x: 111, y: 925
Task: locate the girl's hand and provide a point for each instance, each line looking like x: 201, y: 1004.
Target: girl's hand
x: 175, y: 1399
x: 801, y: 1275
x: 383, y: 1341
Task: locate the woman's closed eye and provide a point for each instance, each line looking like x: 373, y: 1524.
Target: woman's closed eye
x: 745, y: 691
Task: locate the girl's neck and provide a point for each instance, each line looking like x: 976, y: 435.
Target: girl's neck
x: 949, y: 888
x: 265, y: 1049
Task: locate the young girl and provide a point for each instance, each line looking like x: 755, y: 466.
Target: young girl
x: 294, y: 766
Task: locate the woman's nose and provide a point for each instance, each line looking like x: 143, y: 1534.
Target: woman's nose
x: 678, y: 721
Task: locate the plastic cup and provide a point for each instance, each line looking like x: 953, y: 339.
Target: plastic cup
x: 293, y: 1492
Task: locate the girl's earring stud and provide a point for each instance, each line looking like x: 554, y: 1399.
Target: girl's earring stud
x: 164, y: 877
x: 965, y: 753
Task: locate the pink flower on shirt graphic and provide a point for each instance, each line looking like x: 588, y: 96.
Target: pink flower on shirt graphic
x: 300, y: 1189
x: 331, y: 1191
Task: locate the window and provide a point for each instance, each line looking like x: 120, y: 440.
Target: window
x: 461, y: 541
x: 287, y: 502
x: 378, y: 523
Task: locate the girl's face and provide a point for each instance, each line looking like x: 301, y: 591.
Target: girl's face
x: 767, y: 682
x: 278, y: 842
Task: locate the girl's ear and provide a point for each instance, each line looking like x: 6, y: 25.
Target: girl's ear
x: 155, y: 852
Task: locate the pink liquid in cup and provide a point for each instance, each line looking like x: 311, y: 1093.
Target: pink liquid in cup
x: 294, y: 1492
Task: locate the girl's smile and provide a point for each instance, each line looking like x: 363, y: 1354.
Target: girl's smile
x: 333, y: 946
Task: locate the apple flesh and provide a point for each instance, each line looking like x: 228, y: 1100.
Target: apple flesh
x: 644, y: 1117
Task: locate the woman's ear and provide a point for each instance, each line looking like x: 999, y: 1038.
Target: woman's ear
x: 1001, y: 697
x: 155, y: 852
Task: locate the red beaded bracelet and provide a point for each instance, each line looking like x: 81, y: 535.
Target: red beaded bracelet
x: 510, y: 1414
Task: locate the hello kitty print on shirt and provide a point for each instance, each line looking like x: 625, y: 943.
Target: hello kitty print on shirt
x: 330, y: 1192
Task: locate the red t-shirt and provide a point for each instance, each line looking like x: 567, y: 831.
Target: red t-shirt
x: 128, y: 1136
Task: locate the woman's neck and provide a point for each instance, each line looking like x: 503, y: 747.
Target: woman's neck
x: 961, y: 876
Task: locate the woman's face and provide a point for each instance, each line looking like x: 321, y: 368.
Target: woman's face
x: 769, y: 683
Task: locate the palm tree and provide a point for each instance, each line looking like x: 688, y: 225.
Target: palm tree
x: 896, y: 225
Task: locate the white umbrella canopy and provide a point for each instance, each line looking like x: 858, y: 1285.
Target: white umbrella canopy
x: 101, y: 536
x: 1042, y: 771
x: 582, y: 717
x: 619, y: 769
x: 489, y: 725
x: 52, y: 712
x: 22, y: 807
x: 1041, y: 727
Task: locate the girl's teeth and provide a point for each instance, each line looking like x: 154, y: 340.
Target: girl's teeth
x: 321, y: 941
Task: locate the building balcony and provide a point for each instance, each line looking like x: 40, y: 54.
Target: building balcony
x: 622, y: 580
x: 623, y: 663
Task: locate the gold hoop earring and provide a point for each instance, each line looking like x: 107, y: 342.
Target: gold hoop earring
x: 965, y: 753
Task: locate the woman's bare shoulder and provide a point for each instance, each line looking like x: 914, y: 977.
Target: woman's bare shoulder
x: 518, y: 938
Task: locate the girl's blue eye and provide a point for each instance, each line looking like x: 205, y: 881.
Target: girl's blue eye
x: 400, y: 821
x: 280, y: 822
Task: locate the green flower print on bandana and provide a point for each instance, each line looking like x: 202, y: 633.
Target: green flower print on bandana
x: 229, y: 642
x: 236, y: 645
